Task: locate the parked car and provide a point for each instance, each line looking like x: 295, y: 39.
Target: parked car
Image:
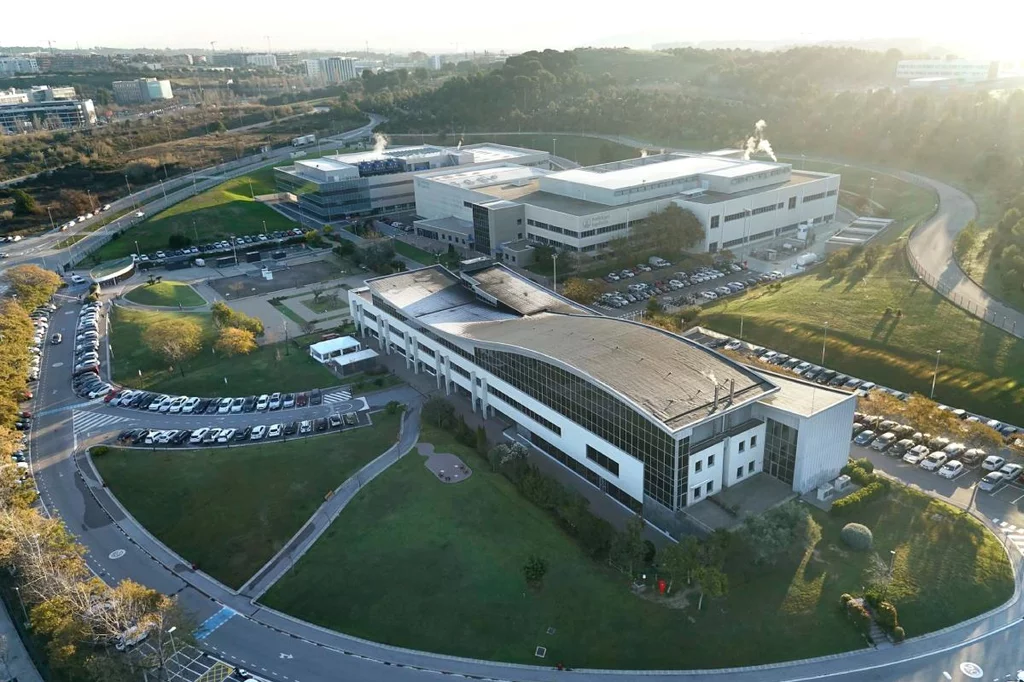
x: 288, y: 400
x: 198, y: 435
x: 275, y: 401
x: 258, y: 432
x: 320, y: 424
x: 992, y: 481
x: 900, y: 447
x: 306, y: 426
x: 225, y: 435
x: 302, y: 399
x: 291, y: 429
x: 275, y: 430
x: 916, y: 454
x: 951, y: 469
x: 211, y: 435
x: 864, y: 437
x: 351, y: 419
x: 1012, y: 471
x: 973, y: 456
x: 334, y: 420
x: 993, y: 463
x: 316, y: 397
x: 883, y: 442
x: 934, y: 461
x: 236, y: 405
x: 225, y: 406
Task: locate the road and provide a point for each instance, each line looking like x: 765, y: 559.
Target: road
x: 42, y: 249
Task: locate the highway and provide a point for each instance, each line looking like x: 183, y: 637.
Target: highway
x: 280, y: 648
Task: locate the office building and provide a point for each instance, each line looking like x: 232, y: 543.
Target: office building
x: 964, y: 70
x: 62, y: 113
x: 77, y: 61
x: 436, y: 62
x: 37, y: 93
x: 286, y: 59
x: 337, y: 69
x: 654, y: 420
x: 381, y: 182
x: 738, y: 202
x: 10, y: 66
x: 312, y: 68
x: 234, y: 60
x: 262, y: 61
x: 141, y: 91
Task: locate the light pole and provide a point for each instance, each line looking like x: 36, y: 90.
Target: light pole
x: 554, y: 146
x: 22, y: 602
x: 871, y: 197
x: 554, y: 272
x: 251, y: 193
x: 170, y: 633
x: 823, y: 341
x: 741, y: 327
x: 129, y: 185
x: 137, y: 252
x: 935, y: 375
x: 52, y: 226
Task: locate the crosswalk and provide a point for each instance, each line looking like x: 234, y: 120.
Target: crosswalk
x: 337, y: 397
x: 1013, y: 533
x: 85, y: 422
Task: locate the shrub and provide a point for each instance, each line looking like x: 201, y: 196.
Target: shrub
x: 865, y: 494
x: 865, y: 464
x: 844, y: 599
x: 98, y: 450
x: 534, y: 570
x: 859, y: 615
x: 857, y: 536
x: 886, y: 616
x: 899, y: 634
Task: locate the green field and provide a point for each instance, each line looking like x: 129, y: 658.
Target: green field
x: 414, y: 252
x: 438, y: 567
x: 169, y: 294
x: 231, y: 510
x: 223, y: 211
x: 981, y: 368
x: 269, y: 368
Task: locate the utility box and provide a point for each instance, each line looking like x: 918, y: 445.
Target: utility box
x: 842, y: 483
x: 226, y: 261
x: 278, y: 255
x: 253, y: 257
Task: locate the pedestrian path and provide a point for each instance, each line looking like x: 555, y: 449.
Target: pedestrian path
x: 85, y: 422
x: 1013, y: 533
x: 337, y: 397
x: 65, y: 408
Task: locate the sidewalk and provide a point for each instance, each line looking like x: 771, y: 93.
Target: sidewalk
x: 19, y: 665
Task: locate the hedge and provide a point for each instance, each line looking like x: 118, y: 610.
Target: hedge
x: 869, y: 492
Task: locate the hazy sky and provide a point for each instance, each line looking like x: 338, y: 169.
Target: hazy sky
x: 441, y: 26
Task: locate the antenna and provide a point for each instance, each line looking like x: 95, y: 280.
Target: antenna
x: 50, y: 43
x: 213, y: 46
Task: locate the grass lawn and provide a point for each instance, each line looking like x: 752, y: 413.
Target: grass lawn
x: 171, y: 294
x: 981, y: 370
x: 289, y: 313
x: 269, y: 368
x: 439, y: 567
x: 326, y: 304
x: 414, y: 252
x: 232, y: 510
x: 223, y: 211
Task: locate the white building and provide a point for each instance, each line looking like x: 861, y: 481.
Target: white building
x: 381, y: 182
x: 656, y: 421
x: 262, y: 61
x: 312, y: 68
x: 738, y: 202
x: 436, y: 62
x: 141, y: 91
x: 337, y: 69
x: 14, y: 65
x: 966, y: 70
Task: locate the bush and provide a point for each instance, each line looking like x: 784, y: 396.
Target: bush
x: 534, y: 570
x: 859, y: 615
x: 865, y: 464
x: 844, y: 599
x: 865, y: 494
x: 886, y: 616
x: 899, y: 634
x: 857, y: 536
x: 98, y: 450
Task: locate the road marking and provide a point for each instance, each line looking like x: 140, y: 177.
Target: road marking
x: 947, y: 675
x: 972, y: 670
x: 89, y: 421
x: 214, y: 622
x: 117, y: 554
x: 57, y: 364
x: 285, y: 656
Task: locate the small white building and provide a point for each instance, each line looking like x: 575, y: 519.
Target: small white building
x: 966, y: 70
x: 325, y: 351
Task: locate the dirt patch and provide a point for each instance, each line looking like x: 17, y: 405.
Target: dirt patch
x: 242, y: 286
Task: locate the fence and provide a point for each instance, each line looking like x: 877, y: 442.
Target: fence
x: 991, y: 312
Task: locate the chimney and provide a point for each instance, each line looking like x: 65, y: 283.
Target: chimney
x: 732, y: 389
x: 715, y: 408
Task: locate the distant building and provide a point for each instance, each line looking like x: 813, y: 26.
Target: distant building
x: 37, y: 93
x: 233, y: 59
x: 337, y: 69
x: 966, y: 70
x: 436, y: 62
x: 62, y: 113
x: 76, y: 61
x: 13, y: 96
x: 141, y: 91
x: 287, y: 59
x: 312, y: 67
x: 262, y: 61
x: 12, y: 65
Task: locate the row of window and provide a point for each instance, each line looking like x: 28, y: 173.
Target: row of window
x: 739, y: 470
x: 552, y: 228
x: 513, y: 403
x: 602, y: 460
x: 765, y: 209
x: 709, y: 488
x: 586, y: 473
x: 761, y: 235
x: 698, y: 464
x: 606, y: 229
x: 814, y: 197
x: 647, y: 187
x: 831, y: 193
x: 426, y: 351
x: 735, y: 216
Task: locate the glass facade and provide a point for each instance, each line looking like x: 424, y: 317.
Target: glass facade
x: 779, y: 450
x: 595, y: 410
x: 481, y: 230
x: 335, y: 200
x: 591, y: 477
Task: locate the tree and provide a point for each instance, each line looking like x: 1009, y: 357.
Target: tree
x: 175, y: 340
x: 673, y: 229
x: 32, y: 284
x: 439, y: 412
x: 75, y: 202
x: 628, y: 550
x: 680, y: 560
x: 221, y: 314
x: 534, y: 570
x: 583, y: 291
x: 770, y: 534
x: 317, y: 289
x: 481, y: 440
x: 234, y: 341
x: 377, y: 255
x: 24, y: 203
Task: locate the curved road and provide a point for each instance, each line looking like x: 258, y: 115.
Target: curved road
x: 278, y: 647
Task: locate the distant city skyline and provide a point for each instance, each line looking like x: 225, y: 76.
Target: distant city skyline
x: 456, y: 26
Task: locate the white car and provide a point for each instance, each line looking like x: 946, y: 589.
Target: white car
x: 934, y: 461
x: 275, y: 401
x: 177, y: 404
x: 226, y: 435
x: 992, y: 480
x: 1011, y: 471
x: 190, y: 405
x: 262, y: 402
x: 225, y: 406
x: 157, y: 402
x: 76, y: 279
x: 165, y: 404
x: 733, y: 345
x: 236, y: 405
x: 258, y: 432
x: 883, y: 442
x: 951, y: 469
x: 993, y: 463
x: 916, y: 454
x: 198, y: 434
x: 123, y: 398
x: 275, y: 430
x: 306, y: 426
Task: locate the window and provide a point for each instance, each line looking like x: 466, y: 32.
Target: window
x: 696, y: 493
x: 750, y: 467
x: 739, y: 472
x: 814, y: 197
x: 586, y: 473
x: 753, y: 441
x: 714, y: 221
x: 603, y: 460
x: 711, y: 461
x: 792, y: 203
x: 512, y: 402
x: 735, y: 216
x: 830, y: 193
x: 698, y: 465
x: 711, y: 487
x: 743, y: 446
x: 780, y: 450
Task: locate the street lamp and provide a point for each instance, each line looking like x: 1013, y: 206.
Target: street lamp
x: 137, y: 252
x: 22, y: 601
x: 129, y: 185
x: 892, y: 560
x: 554, y: 272
x: 871, y: 197
x: 935, y: 374
x: 823, y: 341
x: 170, y: 633
x: 554, y: 146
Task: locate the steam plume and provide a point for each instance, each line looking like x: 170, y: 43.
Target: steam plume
x: 460, y: 144
x: 758, y: 142
x: 379, y: 143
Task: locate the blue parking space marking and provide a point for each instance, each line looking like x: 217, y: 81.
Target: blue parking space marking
x: 214, y: 622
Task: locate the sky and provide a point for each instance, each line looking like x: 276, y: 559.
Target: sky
x: 982, y: 28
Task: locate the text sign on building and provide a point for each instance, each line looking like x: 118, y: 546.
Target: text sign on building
x: 599, y: 220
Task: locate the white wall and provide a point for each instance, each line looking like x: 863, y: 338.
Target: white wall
x: 710, y: 461
x: 752, y: 441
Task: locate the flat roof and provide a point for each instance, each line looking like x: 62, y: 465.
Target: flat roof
x: 577, y: 207
x: 804, y: 398
x: 480, y: 178
x: 449, y: 224
x: 331, y: 345
x: 646, y: 173
x: 324, y: 163
x: 739, y: 170
x: 669, y: 377
x: 795, y: 178
x: 519, y: 293
x: 488, y: 151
